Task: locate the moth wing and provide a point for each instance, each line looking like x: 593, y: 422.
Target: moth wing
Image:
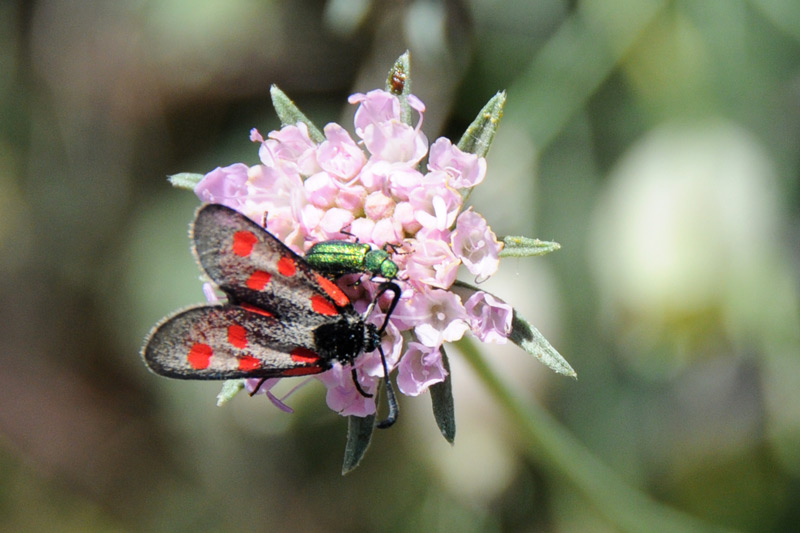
x: 251, y: 265
x: 230, y: 342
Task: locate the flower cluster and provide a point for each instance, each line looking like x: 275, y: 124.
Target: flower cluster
x: 375, y: 191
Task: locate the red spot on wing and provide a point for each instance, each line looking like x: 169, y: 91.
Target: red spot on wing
x: 254, y: 309
x: 303, y: 355
x: 321, y: 305
x: 237, y: 336
x: 243, y: 242
x: 200, y: 356
x: 258, y: 280
x: 249, y: 363
x: 286, y: 266
x: 333, y: 291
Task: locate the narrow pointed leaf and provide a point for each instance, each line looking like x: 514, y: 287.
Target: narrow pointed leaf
x: 524, y: 335
x: 185, y: 180
x: 443, y: 406
x: 359, y: 434
x: 526, y: 247
x: 398, y: 82
x: 527, y: 337
x: 480, y: 134
x: 230, y: 388
x: 289, y: 113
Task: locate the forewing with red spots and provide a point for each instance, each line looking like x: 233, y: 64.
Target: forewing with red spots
x: 229, y: 342
x: 250, y: 265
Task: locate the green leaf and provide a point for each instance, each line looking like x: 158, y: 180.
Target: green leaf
x: 398, y: 82
x: 443, y: 406
x: 527, y: 337
x: 480, y: 134
x: 185, y: 180
x: 359, y: 434
x: 526, y: 247
x: 230, y: 388
x: 290, y: 114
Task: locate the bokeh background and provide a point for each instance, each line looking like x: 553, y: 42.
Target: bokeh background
x: 656, y: 140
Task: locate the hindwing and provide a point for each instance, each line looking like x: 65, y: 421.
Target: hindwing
x: 229, y: 342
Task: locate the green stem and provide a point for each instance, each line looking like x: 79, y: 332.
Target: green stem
x: 554, y: 447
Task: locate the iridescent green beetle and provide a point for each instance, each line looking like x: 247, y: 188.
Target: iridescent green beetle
x: 337, y: 258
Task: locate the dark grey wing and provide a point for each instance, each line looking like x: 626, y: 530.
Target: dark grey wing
x: 253, y: 266
x: 229, y: 342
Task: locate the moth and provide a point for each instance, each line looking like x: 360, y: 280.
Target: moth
x: 282, y: 317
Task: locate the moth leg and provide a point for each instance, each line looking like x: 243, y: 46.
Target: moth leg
x: 396, y: 291
x: 390, y: 397
x: 258, y: 387
x: 361, y: 391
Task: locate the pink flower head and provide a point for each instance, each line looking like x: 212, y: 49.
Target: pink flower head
x: 395, y: 142
x: 404, y: 214
x: 379, y: 124
x: 375, y: 192
x: 403, y: 181
x: 343, y: 396
x: 387, y: 231
x: 464, y: 170
x: 439, y: 316
x: 432, y: 263
x: 291, y: 144
x: 332, y: 222
x: 378, y: 205
x: 362, y: 229
x: 277, y: 186
x: 374, y: 107
x: 420, y: 368
x: 227, y: 186
x: 436, y: 205
x: 374, y: 175
x: 476, y: 245
x: 489, y: 317
x: 351, y: 197
x: 321, y: 190
x: 339, y: 155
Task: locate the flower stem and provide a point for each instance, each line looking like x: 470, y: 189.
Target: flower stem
x: 552, y: 446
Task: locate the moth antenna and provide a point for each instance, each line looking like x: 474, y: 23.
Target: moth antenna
x: 361, y: 391
x: 390, y: 397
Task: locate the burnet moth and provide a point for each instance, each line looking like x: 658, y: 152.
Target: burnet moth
x: 283, y: 318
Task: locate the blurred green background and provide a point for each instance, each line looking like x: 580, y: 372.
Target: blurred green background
x: 657, y: 141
